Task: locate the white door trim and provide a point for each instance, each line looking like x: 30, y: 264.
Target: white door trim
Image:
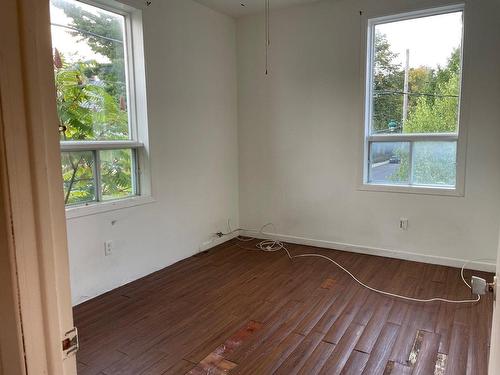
x: 33, y: 188
x: 494, y: 364
x: 11, y: 347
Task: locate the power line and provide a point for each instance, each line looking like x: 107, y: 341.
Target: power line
x: 86, y: 32
x: 394, y: 92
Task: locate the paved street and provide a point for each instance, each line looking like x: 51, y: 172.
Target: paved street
x: 383, y: 172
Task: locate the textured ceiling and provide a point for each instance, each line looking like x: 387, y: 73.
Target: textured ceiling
x: 234, y: 8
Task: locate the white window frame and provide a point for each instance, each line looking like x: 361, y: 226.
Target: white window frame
x: 459, y: 137
x: 138, y: 119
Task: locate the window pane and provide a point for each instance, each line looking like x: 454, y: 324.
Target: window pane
x: 117, y: 180
x: 78, y: 176
x: 387, y: 112
x: 90, y: 71
x: 434, y: 163
x: 424, y: 53
x: 389, y: 162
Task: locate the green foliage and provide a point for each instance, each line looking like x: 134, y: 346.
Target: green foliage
x: 438, y: 113
x: 86, y: 110
x: 100, y: 30
x: 388, y: 77
x: 434, y: 163
x: 103, y: 33
x: 91, y: 106
x: 116, y: 172
x: 78, y: 177
x: 421, y: 80
x: 433, y: 108
x: 402, y: 174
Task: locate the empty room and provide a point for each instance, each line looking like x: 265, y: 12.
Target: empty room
x: 249, y: 187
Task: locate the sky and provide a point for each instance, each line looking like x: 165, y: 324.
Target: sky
x: 429, y: 39
x: 66, y: 43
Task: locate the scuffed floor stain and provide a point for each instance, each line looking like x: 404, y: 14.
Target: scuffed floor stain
x: 440, y: 364
x: 417, y: 345
x: 215, y: 363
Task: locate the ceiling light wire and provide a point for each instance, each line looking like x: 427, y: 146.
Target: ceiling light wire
x: 268, y: 33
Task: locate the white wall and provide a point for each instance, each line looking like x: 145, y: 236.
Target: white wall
x: 300, y: 136
x: 192, y: 92
x: 297, y: 135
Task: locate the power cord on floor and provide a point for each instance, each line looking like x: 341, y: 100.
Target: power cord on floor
x: 276, y: 245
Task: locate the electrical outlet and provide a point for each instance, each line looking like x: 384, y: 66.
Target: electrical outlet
x: 403, y: 223
x: 108, y: 248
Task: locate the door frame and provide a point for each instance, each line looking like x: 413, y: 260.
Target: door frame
x: 11, y: 346
x: 494, y: 362
x: 32, y: 215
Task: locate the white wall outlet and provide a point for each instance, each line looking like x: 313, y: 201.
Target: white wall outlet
x: 108, y: 248
x: 403, y: 223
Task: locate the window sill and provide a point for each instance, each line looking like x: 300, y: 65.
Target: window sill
x: 101, y: 207
x: 407, y: 189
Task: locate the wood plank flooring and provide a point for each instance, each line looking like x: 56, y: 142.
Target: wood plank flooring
x: 238, y: 311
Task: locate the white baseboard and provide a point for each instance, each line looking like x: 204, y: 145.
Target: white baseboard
x: 203, y: 247
x: 424, y: 258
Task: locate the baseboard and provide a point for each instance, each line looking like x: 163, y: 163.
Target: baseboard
x: 216, y: 244
x: 424, y: 258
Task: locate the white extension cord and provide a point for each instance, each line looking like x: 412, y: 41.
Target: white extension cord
x: 276, y: 245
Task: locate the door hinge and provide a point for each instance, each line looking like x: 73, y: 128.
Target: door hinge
x: 70, y: 343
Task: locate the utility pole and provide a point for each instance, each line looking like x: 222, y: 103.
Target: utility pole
x: 405, y: 89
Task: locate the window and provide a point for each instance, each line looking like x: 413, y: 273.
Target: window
x: 413, y: 89
x: 100, y: 129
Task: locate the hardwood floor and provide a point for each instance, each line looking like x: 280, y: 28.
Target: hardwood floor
x: 238, y: 311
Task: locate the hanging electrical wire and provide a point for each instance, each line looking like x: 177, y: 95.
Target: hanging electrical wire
x: 268, y: 33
